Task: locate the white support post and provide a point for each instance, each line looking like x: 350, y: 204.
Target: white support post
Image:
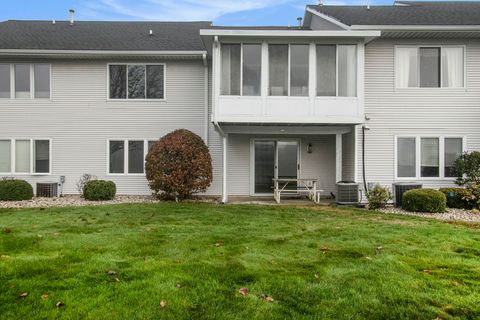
x: 224, y: 184
x: 338, y: 157
x: 355, y: 161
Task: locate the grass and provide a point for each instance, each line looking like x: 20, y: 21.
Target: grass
x: 315, y: 263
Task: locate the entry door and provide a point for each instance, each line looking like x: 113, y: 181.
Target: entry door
x: 274, y: 159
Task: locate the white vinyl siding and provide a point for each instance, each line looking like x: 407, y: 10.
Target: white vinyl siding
x: 429, y: 66
x: 25, y: 156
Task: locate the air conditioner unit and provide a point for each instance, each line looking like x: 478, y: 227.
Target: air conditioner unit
x: 400, y: 188
x: 347, y: 192
x: 47, y: 189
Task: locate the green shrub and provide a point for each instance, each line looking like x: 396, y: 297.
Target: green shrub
x: 467, y: 168
x: 424, y: 200
x: 14, y: 190
x: 179, y: 165
x: 378, y: 197
x: 97, y: 190
x: 456, y: 198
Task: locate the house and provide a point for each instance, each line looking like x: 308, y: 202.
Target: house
x: 372, y: 94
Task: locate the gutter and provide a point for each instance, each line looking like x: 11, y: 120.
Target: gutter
x: 107, y: 53
x: 416, y: 27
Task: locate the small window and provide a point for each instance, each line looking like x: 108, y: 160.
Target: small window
x: 117, y: 156
x: 453, y: 149
x: 430, y: 157
x: 5, y: 156
x: 230, y: 69
x: 22, y: 156
x: 22, y: 81
x: 326, y: 70
x: 406, y: 157
x: 429, y: 67
x: 4, y: 81
x: 252, y: 69
x: 41, y: 161
x: 347, y: 71
x: 452, y: 67
x: 299, y: 69
x: 42, y: 81
x: 136, y: 81
x: 278, y: 69
x: 136, y: 160
x: 118, y: 81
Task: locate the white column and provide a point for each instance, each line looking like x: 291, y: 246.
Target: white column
x: 224, y: 184
x: 355, y: 155
x: 338, y: 157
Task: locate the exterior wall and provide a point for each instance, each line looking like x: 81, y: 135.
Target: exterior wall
x: 318, y: 23
x: 415, y: 111
x: 79, y: 120
x: 348, y: 156
x: 319, y: 164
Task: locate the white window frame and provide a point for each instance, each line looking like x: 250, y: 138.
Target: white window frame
x: 32, y: 82
x: 137, y: 64
x: 289, y: 71
x: 395, y: 82
x: 241, y: 68
x: 125, y: 155
x: 32, y: 156
x: 441, y: 141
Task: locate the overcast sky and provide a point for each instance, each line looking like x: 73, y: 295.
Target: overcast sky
x: 221, y: 12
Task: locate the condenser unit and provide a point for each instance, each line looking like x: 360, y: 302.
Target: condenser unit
x: 47, y: 189
x: 347, y: 193
x: 400, y: 188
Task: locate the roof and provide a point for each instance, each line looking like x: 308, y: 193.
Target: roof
x: 280, y: 28
x: 96, y: 35
x: 437, y: 13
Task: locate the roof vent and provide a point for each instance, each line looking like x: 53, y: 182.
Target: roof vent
x: 53, y: 21
x: 150, y: 32
x: 72, y: 16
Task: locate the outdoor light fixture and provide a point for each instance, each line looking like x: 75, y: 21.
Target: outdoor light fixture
x: 309, y: 148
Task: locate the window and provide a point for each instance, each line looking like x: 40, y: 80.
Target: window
x: 5, y: 156
x: 424, y: 156
x: 25, y: 156
x: 252, y: 69
x: 278, y: 69
x: 137, y: 81
x: 128, y: 156
x: 241, y: 69
x: 4, y: 81
x: 42, y: 81
x: 453, y: 149
x: 22, y: 81
x: 337, y: 70
x: 231, y: 69
x: 430, y: 157
x: 406, y: 157
x: 299, y: 58
x: 429, y: 67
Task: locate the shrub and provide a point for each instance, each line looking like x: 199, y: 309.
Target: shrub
x: 14, y: 190
x: 378, y: 197
x: 467, y: 168
x: 424, y: 200
x: 97, y: 190
x: 178, y: 165
x: 472, y: 195
x: 456, y: 198
x: 83, y: 181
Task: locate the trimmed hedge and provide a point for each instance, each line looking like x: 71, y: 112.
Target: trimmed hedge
x: 97, y: 190
x: 424, y: 200
x: 457, y: 201
x: 15, y: 190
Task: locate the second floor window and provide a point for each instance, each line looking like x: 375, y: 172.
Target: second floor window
x: 136, y: 81
x: 29, y: 81
x: 429, y: 67
x: 241, y: 67
x: 288, y: 69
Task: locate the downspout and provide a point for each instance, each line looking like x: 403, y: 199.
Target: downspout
x: 205, y: 65
x: 364, y: 128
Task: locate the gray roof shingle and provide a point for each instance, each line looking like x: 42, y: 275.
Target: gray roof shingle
x: 407, y: 13
x: 96, y: 35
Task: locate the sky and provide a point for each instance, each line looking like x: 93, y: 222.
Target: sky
x: 221, y: 12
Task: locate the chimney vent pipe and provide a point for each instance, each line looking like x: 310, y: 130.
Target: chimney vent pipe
x: 72, y: 16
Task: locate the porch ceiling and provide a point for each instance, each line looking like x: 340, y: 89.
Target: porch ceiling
x: 280, y: 128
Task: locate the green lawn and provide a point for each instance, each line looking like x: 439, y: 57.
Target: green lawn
x: 315, y: 263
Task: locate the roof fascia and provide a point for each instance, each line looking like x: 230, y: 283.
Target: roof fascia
x: 417, y: 27
x: 34, y: 52
x: 291, y: 33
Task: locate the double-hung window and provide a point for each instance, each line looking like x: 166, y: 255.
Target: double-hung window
x: 336, y: 70
x: 25, y: 156
x: 427, y: 157
x: 288, y: 69
x: 429, y: 67
x: 137, y: 81
x: 128, y: 156
x: 241, y: 69
x: 25, y: 81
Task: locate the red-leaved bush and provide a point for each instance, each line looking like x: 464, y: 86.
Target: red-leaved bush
x: 179, y: 165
